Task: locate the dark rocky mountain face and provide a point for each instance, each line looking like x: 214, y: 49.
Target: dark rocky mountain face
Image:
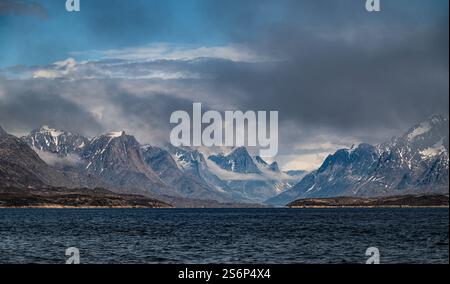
x: 116, y: 159
x: 62, y: 150
x: 111, y: 161
x: 261, y: 161
x: 194, y: 163
x: 56, y: 141
x: 27, y: 181
x: 416, y: 162
x: 187, y: 184
x: 274, y: 167
x: 20, y: 166
x: 238, y: 161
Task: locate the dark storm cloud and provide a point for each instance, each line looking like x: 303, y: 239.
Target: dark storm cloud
x: 27, y: 106
x: 337, y: 74
x: 17, y: 7
x: 91, y: 106
x: 149, y: 115
x: 342, y: 68
x: 348, y: 86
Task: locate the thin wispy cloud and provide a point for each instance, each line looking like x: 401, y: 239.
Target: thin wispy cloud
x: 167, y: 51
x: 70, y: 69
x: 156, y: 61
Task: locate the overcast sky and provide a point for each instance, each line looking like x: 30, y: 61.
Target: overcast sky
x: 337, y: 74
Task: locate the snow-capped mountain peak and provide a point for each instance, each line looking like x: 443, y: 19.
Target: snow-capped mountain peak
x: 262, y: 164
x: 238, y: 161
x: 274, y: 167
x: 52, y: 131
x: 56, y: 141
x: 416, y: 162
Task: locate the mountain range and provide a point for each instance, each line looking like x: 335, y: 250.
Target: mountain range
x: 21, y: 166
x: 27, y: 181
x: 118, y: 162
x: 415, y: 162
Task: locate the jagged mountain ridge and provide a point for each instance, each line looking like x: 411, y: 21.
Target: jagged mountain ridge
x: 191, y: 161
x: 187, y: 183
x: 273, y: 166
x: 238, y: 161
x: 27, y: 181
x: 416, y: 162
x: 116, y: 159
x: 246, y: 178
x: 111, y: 161
x: 56, y: 141
x: 119, y: 161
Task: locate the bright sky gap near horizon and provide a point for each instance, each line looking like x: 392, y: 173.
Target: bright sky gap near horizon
x: 337, y: 74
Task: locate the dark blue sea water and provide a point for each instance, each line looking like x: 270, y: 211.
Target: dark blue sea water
x: 224, y: 235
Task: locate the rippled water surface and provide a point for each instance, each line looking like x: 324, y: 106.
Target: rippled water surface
x: 224, y: 235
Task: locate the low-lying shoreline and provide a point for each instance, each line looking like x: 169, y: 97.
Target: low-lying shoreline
x: 404, y: 201
x: 54, y: 198
x: 63, y: 198
x: 77, y: 207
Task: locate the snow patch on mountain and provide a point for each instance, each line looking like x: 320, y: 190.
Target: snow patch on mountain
x: 416, y: 162
x: 433, y: 151
x: 56, y: 141
x: 115, y: 134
